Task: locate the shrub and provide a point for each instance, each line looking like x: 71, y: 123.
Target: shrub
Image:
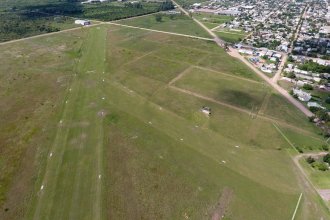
x: 326, y: 158
x: 310, y: 160
x: 327, y: 100
x: 320, y: 166
x: 158, y: 17
x: 308, y: 86
x: 325, y: 147
x: 299, y: 150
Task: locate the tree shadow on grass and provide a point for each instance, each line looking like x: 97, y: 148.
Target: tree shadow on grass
x: 240, y: 99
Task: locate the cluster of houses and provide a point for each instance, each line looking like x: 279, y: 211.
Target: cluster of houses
x: 266, y: 60
x: 314, y: 35
x: 219, y: 7
x: 306, y: 97
x: 276, y: 28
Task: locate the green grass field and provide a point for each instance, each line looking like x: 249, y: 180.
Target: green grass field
x: 211, y: 20
x: 177, y: 23
x: 96, y: 127
x: 230, y: 36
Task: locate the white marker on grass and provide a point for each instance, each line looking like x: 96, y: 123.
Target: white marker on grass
x: 51, y: 154
x: 99, y: 176
x: 42, y: 187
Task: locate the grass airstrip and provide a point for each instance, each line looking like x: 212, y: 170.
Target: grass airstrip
x: 105, y: 123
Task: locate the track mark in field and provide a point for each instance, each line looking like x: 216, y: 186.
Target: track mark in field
x: 265, y: 103
x: 138, y: 58
x: 98, y: 203
x: 164, y: 32
x: 58, y: 147
x: 241, y: 110
x: 285, y: 137
x: 226, y: 74
x: 180, y: 75
x: 297, y: 206
x: 223, y: 204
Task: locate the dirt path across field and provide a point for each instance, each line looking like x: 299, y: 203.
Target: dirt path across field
x: 164, y: 32
x: 241, y: 110
x: 324, y: 193
x: 234, y: 53
x: 223, y: 204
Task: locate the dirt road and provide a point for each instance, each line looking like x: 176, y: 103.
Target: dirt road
x: 234, y: 53
x: 164, y: 32
x: 323, y: 193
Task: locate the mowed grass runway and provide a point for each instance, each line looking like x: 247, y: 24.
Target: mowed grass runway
x: 126, y: 143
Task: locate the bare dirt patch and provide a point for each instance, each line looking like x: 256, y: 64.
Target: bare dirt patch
x: 102, y: 113
x: 223, y: 204
x: 325, y: 194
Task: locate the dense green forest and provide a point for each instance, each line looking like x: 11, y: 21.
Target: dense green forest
x: 32, y: 17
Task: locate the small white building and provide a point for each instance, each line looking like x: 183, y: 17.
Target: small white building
x: 302, y: 96
x: 206, y: 110
x: 315, y: 105
x: 82, y: 22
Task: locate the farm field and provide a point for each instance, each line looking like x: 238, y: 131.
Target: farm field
x: 109, y: 127
x: 171, y: 23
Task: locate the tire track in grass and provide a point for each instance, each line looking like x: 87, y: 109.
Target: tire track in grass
x: 98, y: 214
x: 87, y: 196
x: 55, y: 207
x: 57, y: 150
x: 69, y: 174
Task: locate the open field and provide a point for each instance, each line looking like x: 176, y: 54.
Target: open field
x: 115, y: 132
x: 211, y: 20
x: 230, y: 37
x: 171, y: 23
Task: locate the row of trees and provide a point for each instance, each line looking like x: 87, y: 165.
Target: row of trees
x: 27, y: 20
x: 314, y: 67
x: 13, y: 26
